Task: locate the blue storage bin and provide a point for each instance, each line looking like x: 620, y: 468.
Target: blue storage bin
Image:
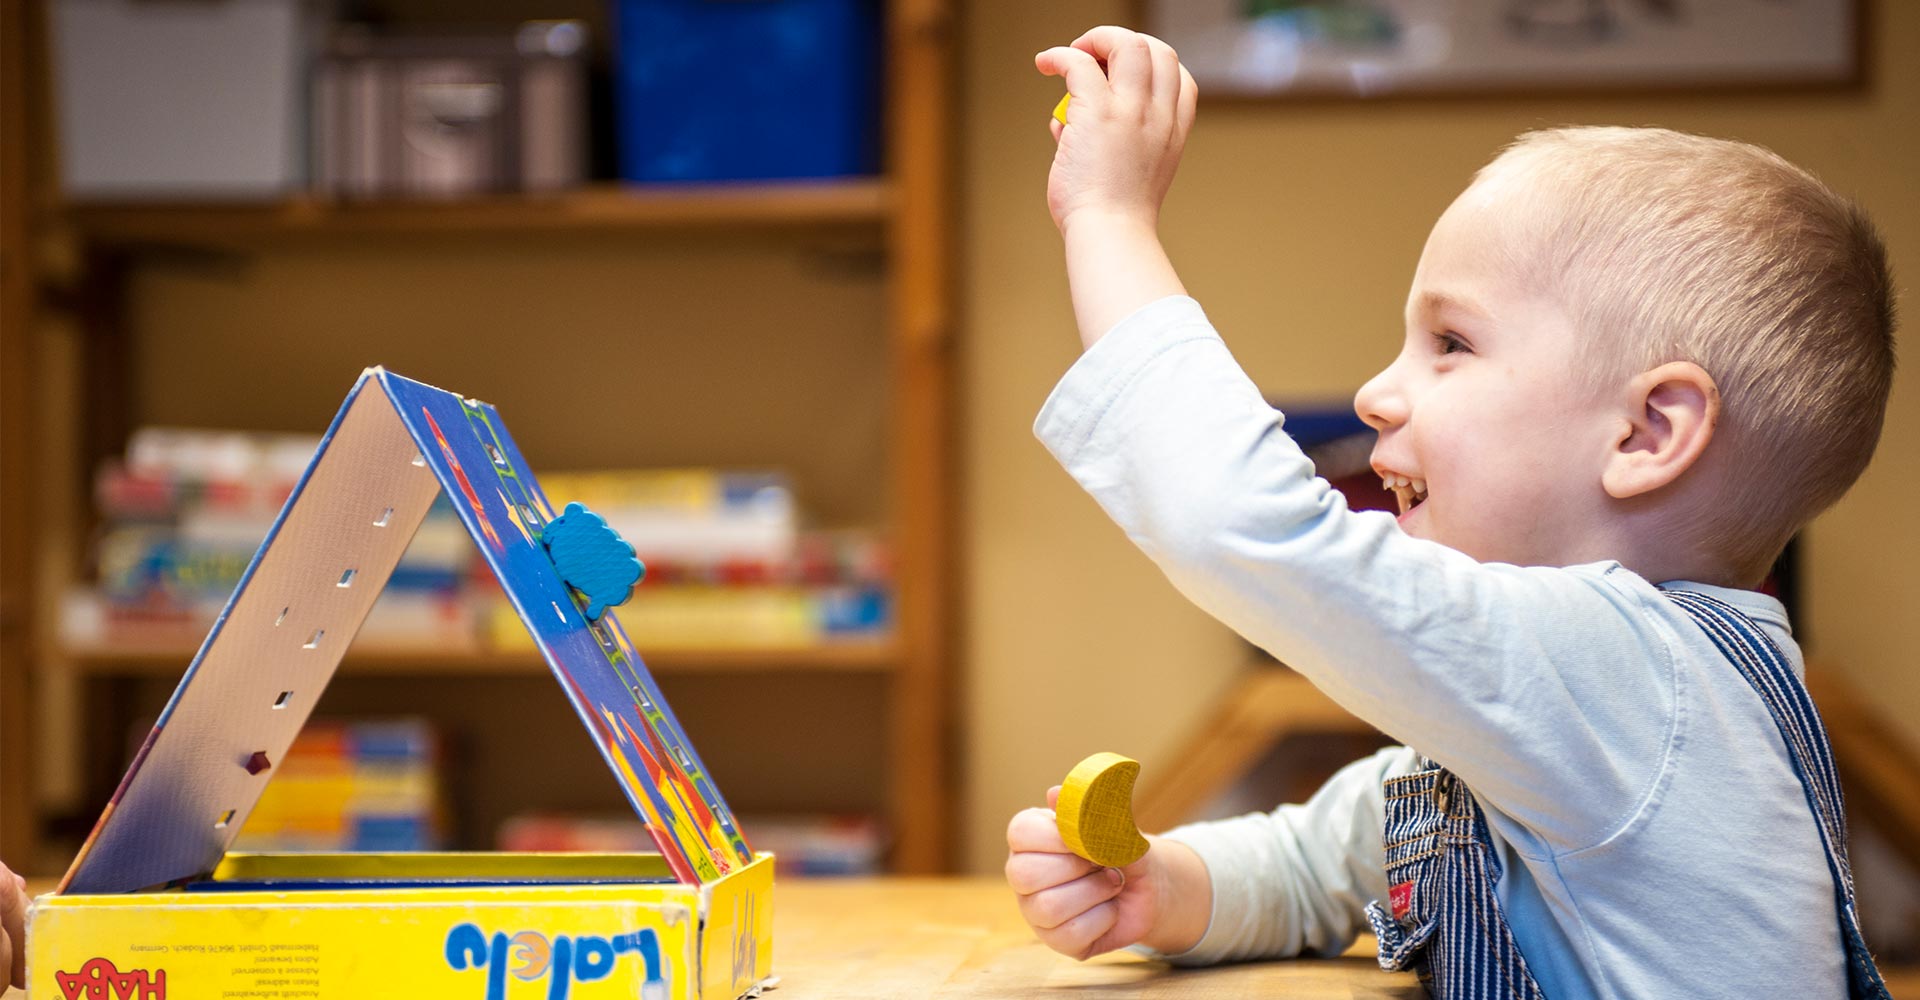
x: 709, y: 90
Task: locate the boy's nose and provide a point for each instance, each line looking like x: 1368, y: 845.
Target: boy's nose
x: 1380, y: 403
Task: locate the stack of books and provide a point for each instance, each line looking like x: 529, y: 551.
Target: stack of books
x: 181, y: 518
x: 729, y: 563
x: 823, y: 845
x: 352, y: 786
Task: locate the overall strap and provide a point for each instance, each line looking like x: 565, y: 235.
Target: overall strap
x: 1761, y: 662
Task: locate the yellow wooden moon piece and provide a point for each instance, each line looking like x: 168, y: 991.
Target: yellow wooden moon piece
x: 1095, y: 811
x: 1060, y: 110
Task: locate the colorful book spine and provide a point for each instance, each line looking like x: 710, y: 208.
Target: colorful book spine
x: 367, y: 785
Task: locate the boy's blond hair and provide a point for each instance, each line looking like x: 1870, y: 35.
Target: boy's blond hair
x: 1672, y: 247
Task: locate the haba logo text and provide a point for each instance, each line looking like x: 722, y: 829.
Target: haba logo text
x: 99, y: 980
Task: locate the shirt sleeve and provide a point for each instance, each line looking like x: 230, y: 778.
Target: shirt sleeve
x: 1511, y: 677
x: 1296, y: 881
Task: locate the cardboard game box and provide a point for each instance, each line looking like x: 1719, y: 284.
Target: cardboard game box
x: 154, y: 905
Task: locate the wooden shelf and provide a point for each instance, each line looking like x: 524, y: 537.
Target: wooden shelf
x: 607, y: 208
x: 851, y: 656
x: 907, y: 216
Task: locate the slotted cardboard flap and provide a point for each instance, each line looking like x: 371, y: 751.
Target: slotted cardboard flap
x: 395, y: 446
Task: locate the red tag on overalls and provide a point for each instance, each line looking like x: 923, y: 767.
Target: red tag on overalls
x: 1400, y: 898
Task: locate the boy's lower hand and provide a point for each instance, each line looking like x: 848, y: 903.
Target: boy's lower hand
x: 1127, y: 125
x: 13, y: 924
x: 1081, y: 910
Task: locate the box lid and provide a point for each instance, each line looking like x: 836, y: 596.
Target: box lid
x: 393, y: 448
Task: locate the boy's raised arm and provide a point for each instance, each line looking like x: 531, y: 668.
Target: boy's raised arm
x: 1459, y: 659
x: 1112, y: 166
x: 1163, y: 427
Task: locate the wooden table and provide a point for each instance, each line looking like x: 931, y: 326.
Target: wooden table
x: 959, y: 938
x: 963, y: 938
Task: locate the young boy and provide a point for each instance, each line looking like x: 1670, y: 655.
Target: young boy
x: 1632, y: 358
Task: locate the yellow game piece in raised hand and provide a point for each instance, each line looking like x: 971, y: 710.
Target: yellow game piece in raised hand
x: 1095, y: 811
x: 1060, y: 110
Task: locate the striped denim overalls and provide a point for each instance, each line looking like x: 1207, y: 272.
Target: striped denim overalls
x: 1441, y: 917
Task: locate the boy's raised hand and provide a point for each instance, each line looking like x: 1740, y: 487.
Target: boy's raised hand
x: 1126, y: 125
x: 1081, y: 909
x: 1133, y: 104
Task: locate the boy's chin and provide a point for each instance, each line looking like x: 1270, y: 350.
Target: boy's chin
x: 1415, y: 524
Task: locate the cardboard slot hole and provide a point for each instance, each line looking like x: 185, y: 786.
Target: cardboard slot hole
x: 346, y: 579
x: 314, y: 643
x: 386, y: 518
x: 494, y: 453
x: 225, y: 818
x: 277, y: 622
x: 281, y: 702
x: 419, y: 460
x: 562, y: 615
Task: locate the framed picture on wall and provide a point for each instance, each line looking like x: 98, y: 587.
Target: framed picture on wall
x: 1377, y: 47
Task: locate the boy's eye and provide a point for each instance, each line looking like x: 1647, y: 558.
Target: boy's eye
x: 1447, y: 342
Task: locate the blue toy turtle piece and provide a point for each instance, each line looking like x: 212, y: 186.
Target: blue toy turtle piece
x: 592, y: 558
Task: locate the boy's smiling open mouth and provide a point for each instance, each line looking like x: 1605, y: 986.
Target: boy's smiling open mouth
x: 1408, y: 492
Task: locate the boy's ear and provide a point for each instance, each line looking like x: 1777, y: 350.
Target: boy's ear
x: 1671, y: 414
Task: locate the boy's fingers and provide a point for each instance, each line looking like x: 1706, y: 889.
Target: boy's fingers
x: 1029, y: 872
x: 1054, y: 126
x: 1077, y: 937
x: 1053, y: 797
x: 1050, y: 908
x: 1107, y: 941
x: 1102, y: 41
x: 1085, y: 81
x: 1129, y: 60
x: 1189, y: 100
x: 1035, y: 830
x: 1166, y: 72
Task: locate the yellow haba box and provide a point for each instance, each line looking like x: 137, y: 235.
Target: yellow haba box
x: 155, y: 906
x: 496, y: 927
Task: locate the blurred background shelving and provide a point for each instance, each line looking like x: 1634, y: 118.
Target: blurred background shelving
x: 859, y: 203
x: 623, y: 324
x: 854, y: 656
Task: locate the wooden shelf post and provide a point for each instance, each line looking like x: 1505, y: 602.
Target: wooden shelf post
x: 21, y: 121
x: 919, y: 57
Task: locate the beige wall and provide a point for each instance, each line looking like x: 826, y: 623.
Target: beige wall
x: 1298, y: 227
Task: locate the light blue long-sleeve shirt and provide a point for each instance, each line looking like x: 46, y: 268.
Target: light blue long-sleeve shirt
x: 1655, y: 839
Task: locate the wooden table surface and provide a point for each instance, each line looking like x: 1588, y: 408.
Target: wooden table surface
x: 963, y: 938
